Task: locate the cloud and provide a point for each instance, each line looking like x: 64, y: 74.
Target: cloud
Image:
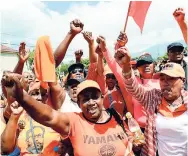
x: 28, y: 20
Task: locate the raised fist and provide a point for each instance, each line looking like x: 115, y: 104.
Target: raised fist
x: 101, y: 45
x: 88, y: 37
x: 16, y: 108
x: 122, y: 56
x: 14, y: 85
x: 121, y: 40
x: 76, y: 26
x: 179, y: 15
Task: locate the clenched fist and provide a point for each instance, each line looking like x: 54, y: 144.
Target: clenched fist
x: 179, y: 15
x: 88, y: 37
x: 122, y: 56
x: 121, y: 40
x: 76, y: 26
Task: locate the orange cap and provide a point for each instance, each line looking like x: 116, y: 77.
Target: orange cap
x: 87, y: 84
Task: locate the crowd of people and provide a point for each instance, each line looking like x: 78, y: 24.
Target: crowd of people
x: 83, y: 114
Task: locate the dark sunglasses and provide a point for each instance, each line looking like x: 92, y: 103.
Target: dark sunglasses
x: 77, y: 71
x: 178, y: 50
x: 110, y: 76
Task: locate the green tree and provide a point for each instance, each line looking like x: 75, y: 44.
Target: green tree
x: 164, y: 57
x: 85, y: 62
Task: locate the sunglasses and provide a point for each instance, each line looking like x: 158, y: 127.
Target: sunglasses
x: 177, y: 50
x: 77, y: 71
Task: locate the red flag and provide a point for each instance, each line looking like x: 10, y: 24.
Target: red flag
x: 138, y: 10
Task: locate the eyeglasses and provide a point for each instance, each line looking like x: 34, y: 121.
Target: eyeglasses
x: 77, y: 71
x: 110, y: 76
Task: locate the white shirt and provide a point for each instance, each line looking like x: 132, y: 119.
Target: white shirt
x: 172, y: 135
x: 69, y: 105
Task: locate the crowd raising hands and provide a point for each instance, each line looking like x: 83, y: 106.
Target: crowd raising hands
x: 84, y: 113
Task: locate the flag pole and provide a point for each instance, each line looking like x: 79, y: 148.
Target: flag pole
x: 127, y: 17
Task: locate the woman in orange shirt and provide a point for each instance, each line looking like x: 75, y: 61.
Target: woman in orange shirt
x: 94, y: 131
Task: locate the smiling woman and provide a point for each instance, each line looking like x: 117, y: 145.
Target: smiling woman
x: 166, y: 108
x: 94, y: 129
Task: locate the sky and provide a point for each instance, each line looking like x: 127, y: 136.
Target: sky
x: 28, y: 20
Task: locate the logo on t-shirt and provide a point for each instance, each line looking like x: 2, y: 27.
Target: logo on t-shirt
x: 107, y: 150
x: 35, y: 139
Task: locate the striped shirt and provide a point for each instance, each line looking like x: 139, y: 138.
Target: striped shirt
x: 150, y: 98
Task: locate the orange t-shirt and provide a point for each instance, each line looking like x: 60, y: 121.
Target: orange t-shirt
x: 97, y: 139
x: 43, y: 136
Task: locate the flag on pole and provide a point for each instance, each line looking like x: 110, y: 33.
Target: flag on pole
x: 138, y: 10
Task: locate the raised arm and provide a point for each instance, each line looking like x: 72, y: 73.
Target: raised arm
x: 100, y: 64
x: 179, y: 15
x: 76, y: 26
x: 9, y: 135
x: 90, y: 40
x: 116, y: 69
x: 141, y: 93
x: 121, y: 41
x: 57, y: 94
x: 40, y: 112
x: 101, y: 78
x: 23, y: 56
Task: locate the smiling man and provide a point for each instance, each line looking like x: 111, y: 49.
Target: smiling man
x: 175, y: 53
x: 145, y: 66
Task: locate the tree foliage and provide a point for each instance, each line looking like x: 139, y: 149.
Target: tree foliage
x: 164, y: 57
x: 63, y: 67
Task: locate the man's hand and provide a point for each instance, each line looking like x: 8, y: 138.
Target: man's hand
x: 122, y: 56
x: 121, y: 40
x: 23, y: 55
x: 16, y: 108
x: 179, y: 15
x: 88, y: 37
x: 76, y: 26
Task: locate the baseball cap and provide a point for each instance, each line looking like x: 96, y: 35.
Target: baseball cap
x: 75, y: 65
x: 175, y: 45
x: 87, y: 84
x: 173, y: 70
x: 70, y: 82
x: 144, y: 59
